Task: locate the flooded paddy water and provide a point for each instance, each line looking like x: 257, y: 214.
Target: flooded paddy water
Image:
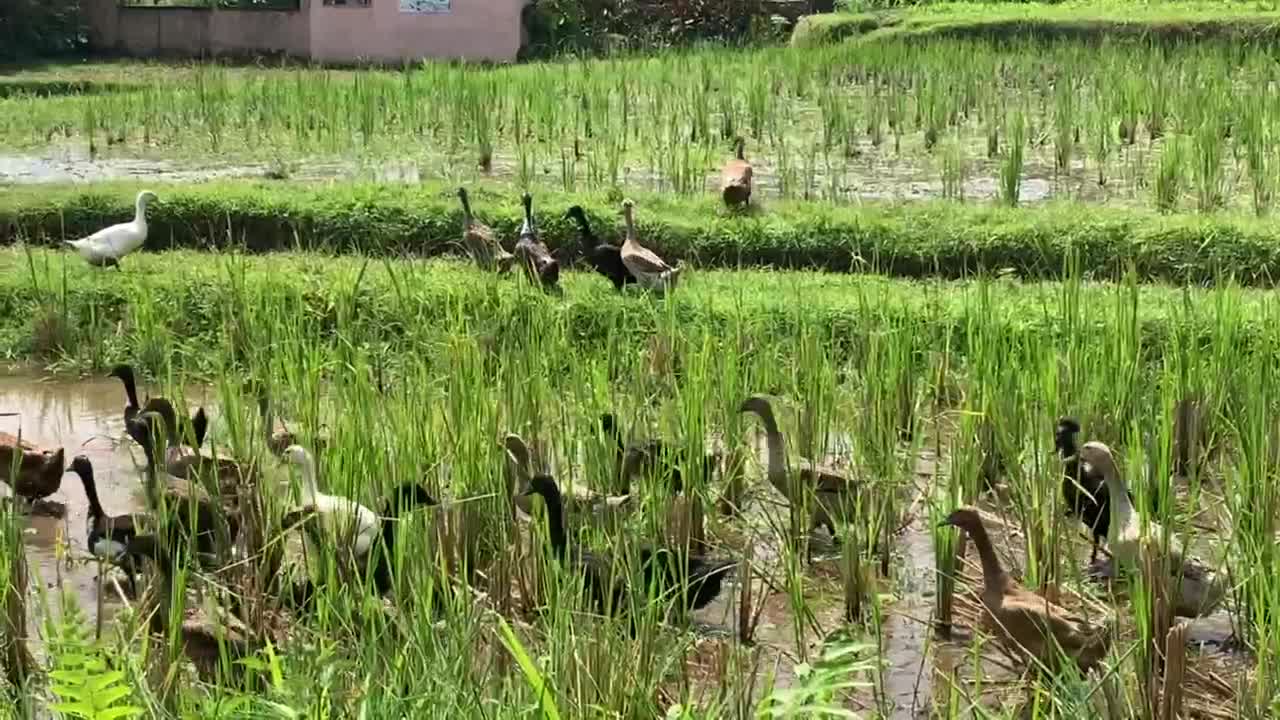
x: 85, y: 417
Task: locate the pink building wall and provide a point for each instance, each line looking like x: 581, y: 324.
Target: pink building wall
x: 471, y: 29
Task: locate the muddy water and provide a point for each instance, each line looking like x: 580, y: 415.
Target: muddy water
x: 882, y: 181
x: 86, y: 418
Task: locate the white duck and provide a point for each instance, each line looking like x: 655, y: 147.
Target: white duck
x: 649, y: 270
x: 1199, y: 589
x: 106, y: 247
x: 342, y: 517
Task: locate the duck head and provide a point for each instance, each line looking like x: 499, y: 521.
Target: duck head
x: 146, y: 197
x: 81, y: 466
x: 146, y: 429
x: 296, y: 455
x: 1065, y: 435
x: 757, y: 404
x: 966, y: 519
x: 576, y: 213
x: 122, y: 372
x: 543, y: 485
x: 1100, y: 457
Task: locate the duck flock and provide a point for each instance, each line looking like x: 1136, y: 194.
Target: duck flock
x: 199, y: 506
x: 197, y: 501
x: 623, y: 265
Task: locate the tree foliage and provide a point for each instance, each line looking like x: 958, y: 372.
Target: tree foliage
x: 30, y: 28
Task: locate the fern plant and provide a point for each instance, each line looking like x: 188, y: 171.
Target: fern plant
x: 82, y: 681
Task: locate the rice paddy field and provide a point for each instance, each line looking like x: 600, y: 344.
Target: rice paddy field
x: 1122, y: 123
x: 304, y: 274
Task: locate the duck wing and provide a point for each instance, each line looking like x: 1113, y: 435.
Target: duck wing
x: 1031, y: 621
x: 642, y: 261
x: 825, y: 478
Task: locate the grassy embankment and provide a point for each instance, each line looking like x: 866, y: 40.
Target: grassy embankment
x: 1087, y: 21
x: 417, y: 367
x: 911, y: 240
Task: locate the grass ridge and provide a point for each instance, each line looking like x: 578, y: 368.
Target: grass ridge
x: 1163, y: 22
x: 925, y: 239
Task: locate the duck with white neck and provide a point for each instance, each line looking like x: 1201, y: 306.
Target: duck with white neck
x: 108, y: 246
x: 344, y: 520
x: 1199, y: 589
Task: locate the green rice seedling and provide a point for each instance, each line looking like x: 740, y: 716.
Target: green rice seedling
x: 1011, y: 167
x: 1168, y: 185
x: 955, y: 170
x: 1207, y: 152
x: 1064, y: 123
x: 1100, y: 121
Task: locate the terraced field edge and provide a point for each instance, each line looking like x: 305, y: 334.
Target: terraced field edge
x: 1170, y: 23
x: 926, y: 239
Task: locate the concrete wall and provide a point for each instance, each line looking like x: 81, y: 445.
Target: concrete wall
x: 470, y: 29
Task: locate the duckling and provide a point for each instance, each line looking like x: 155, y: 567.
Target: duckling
x: 650, y: 271
x: 605, y: 258
x: 206, y: 643
x: 651, y: 457
x: 481, y: 242
x: 342, y: 517
x: 1025, y: 620
x: 735, y: 179
x: 533, y: 255
x: 834, y: 492
x: 33, y: 474
x: 608, y: 589
x: 1199, y: 589
x: 1083, y: 488
x: 108, y: 537
x: 184, y: 504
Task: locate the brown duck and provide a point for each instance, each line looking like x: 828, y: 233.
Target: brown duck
x: 735, y: 179
x: 33, y: 474
x: 834, y: 492
x: 1024, y: 620
x: 480, y: 240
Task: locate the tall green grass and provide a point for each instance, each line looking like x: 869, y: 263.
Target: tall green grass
x: 417, y: 368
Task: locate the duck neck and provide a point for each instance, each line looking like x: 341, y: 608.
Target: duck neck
x: 528, y: 215
x: 130, y: 387
x: 91, y: 492
x: 555, y: 522
x: 140, y: 212
x: 631, y: 226
x: 1121, y: 507
x: 1068, y: 447
x: 466, y: 208
x: 153, y: 482
x: 776, y: 446
x: 993, y: 577
x: 264, y: 410
x: 307, y: 466
x: 742, y: 149
x: 584, y: 229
